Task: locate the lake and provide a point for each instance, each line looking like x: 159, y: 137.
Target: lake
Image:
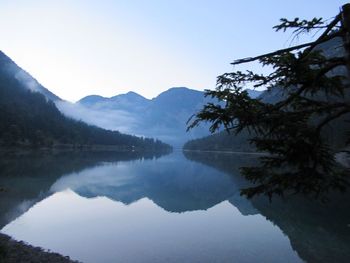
x: 180, y: 207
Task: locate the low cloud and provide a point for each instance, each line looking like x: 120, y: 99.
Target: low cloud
x: 27, y: 81
x: 117, y: 120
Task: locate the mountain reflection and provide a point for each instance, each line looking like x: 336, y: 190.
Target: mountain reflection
x: 26, y: 179
x: 319, y: 232
x: 177, y: 183
x: 133, y: 209
x: 171, y: 182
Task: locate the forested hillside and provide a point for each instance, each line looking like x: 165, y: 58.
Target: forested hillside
x: 29, y: 118
x: 221, y: 141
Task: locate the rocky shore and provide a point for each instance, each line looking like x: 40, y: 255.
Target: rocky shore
x: 12, y: 251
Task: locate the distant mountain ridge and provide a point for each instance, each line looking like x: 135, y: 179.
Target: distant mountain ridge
x: 94, y: 99
x: 123, y: 99
x: 163, y: 117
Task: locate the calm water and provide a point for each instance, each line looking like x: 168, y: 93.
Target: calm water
x: 127, y: 207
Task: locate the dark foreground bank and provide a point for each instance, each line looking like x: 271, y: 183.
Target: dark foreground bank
x: 12, y: 251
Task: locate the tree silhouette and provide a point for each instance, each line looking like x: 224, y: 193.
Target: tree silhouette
x: 314, y: 88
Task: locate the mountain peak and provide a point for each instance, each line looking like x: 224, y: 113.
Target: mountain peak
x: 132, y: 93
x: 91, y: 99
x: 129, y: 96
x: 178, y: 89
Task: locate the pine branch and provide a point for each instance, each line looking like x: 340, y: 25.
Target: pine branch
x: 332, y: 117
x: 323, y: 38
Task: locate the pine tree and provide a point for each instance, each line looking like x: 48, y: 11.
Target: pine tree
x: 293, y: 130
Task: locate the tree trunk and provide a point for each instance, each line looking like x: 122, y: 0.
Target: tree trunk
x: 346, y: 27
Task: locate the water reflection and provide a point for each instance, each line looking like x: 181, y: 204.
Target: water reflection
x: 102, y: 230
x: 176, y: 208
x: 26, y: 179
x: 319, y: 232
x: 171, y: 182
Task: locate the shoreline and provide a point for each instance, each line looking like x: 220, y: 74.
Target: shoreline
x: 12, y: 251
x: 18, y: 150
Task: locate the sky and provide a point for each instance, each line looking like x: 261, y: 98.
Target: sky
x: 77, y: 48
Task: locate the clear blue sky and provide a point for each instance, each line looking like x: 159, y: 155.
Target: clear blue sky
x: 81, y: 47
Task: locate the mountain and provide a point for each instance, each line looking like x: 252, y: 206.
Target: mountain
x: 10, y: 68
x: 128, y: 101
x: 254, y: 93
x: 163, y: 117
x: 29, y: 117
x: 92, y: 99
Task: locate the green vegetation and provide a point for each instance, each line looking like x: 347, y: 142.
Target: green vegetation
x: 30, y: 119
x: 295, y: 129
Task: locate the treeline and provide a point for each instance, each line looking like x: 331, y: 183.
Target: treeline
x: 29, y: 119
x: 221, y: 141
